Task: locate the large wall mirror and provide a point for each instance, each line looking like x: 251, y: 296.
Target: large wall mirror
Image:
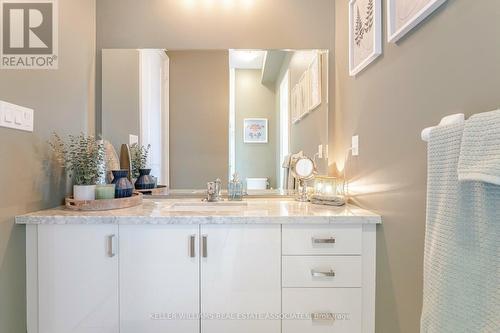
x: 210, y: 113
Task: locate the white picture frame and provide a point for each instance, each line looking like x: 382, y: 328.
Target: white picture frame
x: 365, y: 33
x: 294, y: 104
x: 305, y: 96
x: 255, y: 130
x: 302, y: 97
x: 417, y: 11
x: 315, y: 79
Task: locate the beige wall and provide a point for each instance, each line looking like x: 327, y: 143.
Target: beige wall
x: 449, y: 64
x: 62, y: 99
x: 120, y: 95
x: 254, y: 100
x: 199, y: 117
x: 276, y: 24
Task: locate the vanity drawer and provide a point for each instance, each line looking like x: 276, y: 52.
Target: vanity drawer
x: 321, y: 239
x: 324, y: 271
x: 329, y: 310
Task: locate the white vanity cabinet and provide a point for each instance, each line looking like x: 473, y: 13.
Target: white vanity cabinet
x: 273, y: 266
x: 72, y: 281
x: 329, y: 275
x: 147, y: 278
x: 159, y: 278
x: 163, y: 266
x: 241, y: 274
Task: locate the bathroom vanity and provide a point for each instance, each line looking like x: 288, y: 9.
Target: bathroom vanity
x: 184, y: 266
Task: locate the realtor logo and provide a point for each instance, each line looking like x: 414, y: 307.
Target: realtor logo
x: 28, y: 34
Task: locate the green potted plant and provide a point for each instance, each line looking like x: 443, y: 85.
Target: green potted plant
x: 139, y: 158
x: 83, y: 158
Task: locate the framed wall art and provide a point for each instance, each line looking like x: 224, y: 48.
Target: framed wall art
x: 365, y: 33
x: 294, y: 107
x: 315, y: 82
x: 255, y: 130
x: 404, y: 15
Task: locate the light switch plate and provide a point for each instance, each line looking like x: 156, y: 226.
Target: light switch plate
x: 133, y: 139
x: 320, y: 151
x: 355, y: 145
x: 16, y: 117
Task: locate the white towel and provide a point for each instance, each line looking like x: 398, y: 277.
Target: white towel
x: 462, y: 253
x: 480, y: 152
x: 328, y: 200
x: 288, y: 179
x: 286, y: 173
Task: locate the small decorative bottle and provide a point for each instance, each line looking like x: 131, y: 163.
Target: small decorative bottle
x: 235, y: 188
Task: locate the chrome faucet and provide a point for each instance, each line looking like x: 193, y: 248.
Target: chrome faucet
x: 214, y: 191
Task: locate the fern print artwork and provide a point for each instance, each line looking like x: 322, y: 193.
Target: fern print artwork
x: 363, y: 26
x: 365, y: 35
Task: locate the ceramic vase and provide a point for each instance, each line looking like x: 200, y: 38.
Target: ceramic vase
x: 145, y: 180
x: 84, y: 192
x: 123, y: 186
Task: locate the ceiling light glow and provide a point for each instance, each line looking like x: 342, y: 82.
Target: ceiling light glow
x: 248, y: 55
x: 189, y: 4
x: 247, y: 3
x: 228, y: 3
x: 208, y: 3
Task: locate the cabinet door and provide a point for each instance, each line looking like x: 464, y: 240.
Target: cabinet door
x: 77, y: 279
x: 159, y: 279
x: 240, y: 276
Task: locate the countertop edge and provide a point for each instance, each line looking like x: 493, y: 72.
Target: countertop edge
x: 166, y: 220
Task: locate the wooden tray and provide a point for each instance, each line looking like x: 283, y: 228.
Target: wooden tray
x: 159, y: 190
x: 105, y: 204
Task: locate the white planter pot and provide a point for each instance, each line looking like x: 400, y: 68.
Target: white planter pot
x: 84, y: 192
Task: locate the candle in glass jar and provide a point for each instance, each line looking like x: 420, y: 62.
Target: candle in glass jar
x: 106, y: 191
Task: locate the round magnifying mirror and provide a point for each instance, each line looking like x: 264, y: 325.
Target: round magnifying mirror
x: 303, y: 169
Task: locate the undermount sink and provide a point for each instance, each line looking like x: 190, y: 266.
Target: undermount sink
x: 227, y: 206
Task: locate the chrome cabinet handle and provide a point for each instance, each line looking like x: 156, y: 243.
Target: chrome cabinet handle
x: 316, y: 273
x: 330, y: 240
x: 111, y: 246
x: 322, y: 316
x: 204, y: 250
x: 192, y: 251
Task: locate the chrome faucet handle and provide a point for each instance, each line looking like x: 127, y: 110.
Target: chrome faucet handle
x: 214, y: 190
x: 211, y: 188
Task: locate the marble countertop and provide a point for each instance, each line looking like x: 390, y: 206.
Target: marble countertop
x: 193, y: 211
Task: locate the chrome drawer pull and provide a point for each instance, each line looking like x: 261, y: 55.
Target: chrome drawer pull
x: 192, y: 239
x: 315, y: 273
x: 330, y: 240
x: 204, y: 246
x: 322, y: 316
x: 111, y: 246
